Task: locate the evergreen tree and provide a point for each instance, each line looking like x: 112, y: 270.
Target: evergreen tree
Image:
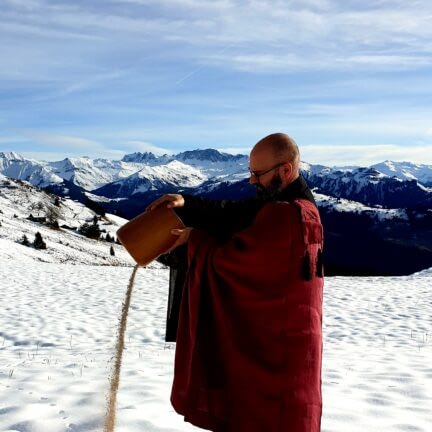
x: 112, y: 253
x: 108, y: 238
x: 83, y: 229
x: 38, y: 242
x: 91, y: 231
x: 25, y: 241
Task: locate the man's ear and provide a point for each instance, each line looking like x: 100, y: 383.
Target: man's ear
x: 287, y: 170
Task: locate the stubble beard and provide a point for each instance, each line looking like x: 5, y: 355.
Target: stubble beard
x: 271, y: 191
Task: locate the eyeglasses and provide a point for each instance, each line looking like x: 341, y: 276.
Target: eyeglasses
x: 258, y: 174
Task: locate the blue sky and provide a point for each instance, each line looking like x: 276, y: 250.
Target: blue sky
x: 351, y: 81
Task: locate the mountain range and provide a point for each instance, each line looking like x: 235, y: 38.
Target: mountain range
x: 385, y: 209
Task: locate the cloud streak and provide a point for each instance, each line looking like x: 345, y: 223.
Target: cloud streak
x: 311, y: 35
x: 364, y: 155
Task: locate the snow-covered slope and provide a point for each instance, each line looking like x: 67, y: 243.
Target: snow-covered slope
x: 58, y: 333
x: 369, y: 186
x: 354, y: 207
x: 16, y: 166
x: 91, y: 174
x: 150, y: 178
x: 406, y: 171
x: 19, y: 200
x: 424, y: 273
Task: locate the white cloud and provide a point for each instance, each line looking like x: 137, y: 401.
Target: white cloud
x: 56, y: 156
x: 267, y: 35
x: 43, y: 156
x: 66, y: 142
x: 10, y: 140
x: 364, y: 155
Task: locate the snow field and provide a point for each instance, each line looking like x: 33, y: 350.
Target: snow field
x: 58, y: 328
x: 377, y: 366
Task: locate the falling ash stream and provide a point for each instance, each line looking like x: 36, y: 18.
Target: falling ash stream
x: 115, y: 378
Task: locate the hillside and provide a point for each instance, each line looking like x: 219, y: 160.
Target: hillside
x: 19, y: 200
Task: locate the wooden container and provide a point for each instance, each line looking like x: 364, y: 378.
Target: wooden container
x: 148, y: 235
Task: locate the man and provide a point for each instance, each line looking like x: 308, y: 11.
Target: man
x: 249, y: 338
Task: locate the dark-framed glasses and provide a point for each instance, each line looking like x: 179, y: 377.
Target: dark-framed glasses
x: 258, y: 174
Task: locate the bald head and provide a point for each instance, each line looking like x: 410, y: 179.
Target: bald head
x: 281, y: 147
x: 274, y: 162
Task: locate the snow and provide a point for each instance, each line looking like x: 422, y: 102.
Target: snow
x: 19, y: 200
x: 348, y: 206
x: 406, y: 171
x: 314, y: 169
x: 58, y: 332
x: 15, y: 166
x: 424, y: 273
x: 174, y: 172
x: 92, y: 174
x: 11, y: 156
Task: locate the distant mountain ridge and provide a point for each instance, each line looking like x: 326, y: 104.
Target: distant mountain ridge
x: 141, y: 176
x: 406, y: 170
x: 92, y: 174
x: 377, y: 219
x: 372, y: 187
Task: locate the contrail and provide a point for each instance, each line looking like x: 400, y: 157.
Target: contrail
x: 193, y: 72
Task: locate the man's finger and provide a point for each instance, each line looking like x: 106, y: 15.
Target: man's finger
x: 153, y: 205
x: 157, y: 203
x: 177, y: 231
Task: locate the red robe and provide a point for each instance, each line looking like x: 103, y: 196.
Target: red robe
x: 249, y: 341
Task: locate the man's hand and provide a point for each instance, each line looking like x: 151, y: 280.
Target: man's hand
x: 171, y: 200
x: 183, y: 237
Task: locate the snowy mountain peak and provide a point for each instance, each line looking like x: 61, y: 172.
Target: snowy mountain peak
x: 174, y: 172
x: 211, y: 155
x: 309, y: 169
x: 389, y: 164
x: 406, y: 171
x: 11, y: 156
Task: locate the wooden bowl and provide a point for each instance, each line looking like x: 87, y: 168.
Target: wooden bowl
x: 148, y: 235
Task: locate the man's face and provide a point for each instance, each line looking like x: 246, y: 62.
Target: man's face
x: 265, y: 173
x: 271, y: 189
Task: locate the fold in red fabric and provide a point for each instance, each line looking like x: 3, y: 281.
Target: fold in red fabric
x: 249, y: 341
